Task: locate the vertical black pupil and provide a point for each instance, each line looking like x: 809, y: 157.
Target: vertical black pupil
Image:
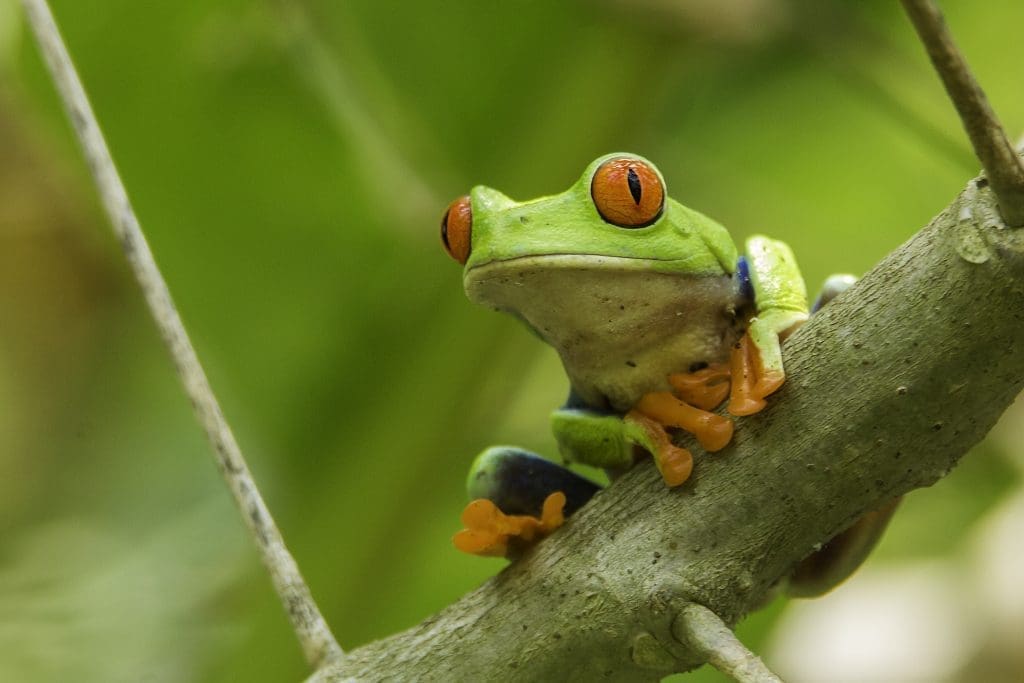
x: 634, y: 185
x: 444, y: 228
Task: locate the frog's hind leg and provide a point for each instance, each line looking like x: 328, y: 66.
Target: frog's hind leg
x: 610, y: 441
x: 518, y: 481
x: 518, y: 498
x: 824, y: 569
x: 833, y: 286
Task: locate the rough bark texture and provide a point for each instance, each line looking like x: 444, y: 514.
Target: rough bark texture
x: 887, y: 388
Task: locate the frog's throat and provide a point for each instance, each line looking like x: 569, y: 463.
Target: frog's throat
x: 620, y: 325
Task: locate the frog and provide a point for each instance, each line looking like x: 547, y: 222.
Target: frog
x: 657, y: 319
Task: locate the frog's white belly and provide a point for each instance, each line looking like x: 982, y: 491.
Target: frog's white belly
x: 619, y: 331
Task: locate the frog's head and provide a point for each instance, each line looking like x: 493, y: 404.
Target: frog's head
x: 616, y: 217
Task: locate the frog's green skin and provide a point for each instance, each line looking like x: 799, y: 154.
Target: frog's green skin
x: 623, y: 307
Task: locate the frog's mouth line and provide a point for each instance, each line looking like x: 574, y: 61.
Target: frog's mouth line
x: 587, y: 261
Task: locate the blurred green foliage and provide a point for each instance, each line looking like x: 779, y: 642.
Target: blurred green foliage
x: 290, y: 162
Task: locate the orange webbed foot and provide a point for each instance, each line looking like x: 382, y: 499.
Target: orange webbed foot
x: 714, y: 432
x: 750, y: 383
x: 490, y: 532
x: 704, y: 389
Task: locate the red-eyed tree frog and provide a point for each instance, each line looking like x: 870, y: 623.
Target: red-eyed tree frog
x: 656, y: 317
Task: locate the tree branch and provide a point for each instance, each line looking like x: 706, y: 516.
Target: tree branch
x: 887, y: 388
x: 314, y: 635
x: 702, y: 630
x: 1001, y: 163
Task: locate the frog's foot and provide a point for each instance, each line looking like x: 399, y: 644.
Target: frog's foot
x: 751, y: 383
x: 704, y: 389
x: 491, y: 532
x: 696, y: 393
x: 519, y: 497
x: 654, y: 412
x: 674, y: 462
x: 714, y: 432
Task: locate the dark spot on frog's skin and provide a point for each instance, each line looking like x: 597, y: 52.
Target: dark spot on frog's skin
x: 699, y: 365
x: 635, y: 189
x: 937, y: 426
x: 524, y: 219
x: 981, y: 182
x: 631, y: 363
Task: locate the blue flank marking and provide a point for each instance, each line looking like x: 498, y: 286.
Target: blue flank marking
x: 575, y: 402
x: 743, y: 275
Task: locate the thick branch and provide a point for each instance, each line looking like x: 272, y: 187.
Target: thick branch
x: 887, y: 388
x: 1001, y: 163
x: 314, y: 635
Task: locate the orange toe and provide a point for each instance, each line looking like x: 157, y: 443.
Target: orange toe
x: 552, y: 513
x: 742, y: 406
x: 715, y: 432
x: 768, y: 383
x: 705, y: 389
x: 489, y: 531
x: 712, y: 431
x: 478, y: 542
x: 750, y: 383
x: 674, y: 463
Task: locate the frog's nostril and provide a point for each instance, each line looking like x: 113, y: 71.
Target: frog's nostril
x: 457, y: 228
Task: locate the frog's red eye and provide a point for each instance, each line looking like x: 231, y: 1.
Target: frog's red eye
x: 456, y: 228
x: 627, y: 192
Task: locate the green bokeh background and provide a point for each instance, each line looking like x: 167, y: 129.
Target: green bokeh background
x: 289, y: 162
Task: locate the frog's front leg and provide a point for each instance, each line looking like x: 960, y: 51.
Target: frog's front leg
x: 780, y: 298
x: 611, y: 441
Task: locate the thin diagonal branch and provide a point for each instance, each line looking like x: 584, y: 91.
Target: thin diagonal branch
x: 314, y: 635
x: 712, y: 639
x: 1002, y: 165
